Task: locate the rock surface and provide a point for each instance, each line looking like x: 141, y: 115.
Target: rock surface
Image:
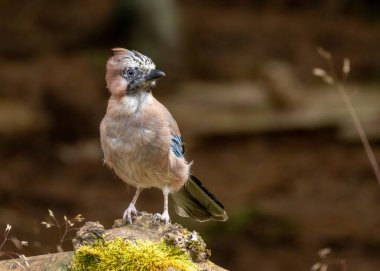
x: 144, y: 227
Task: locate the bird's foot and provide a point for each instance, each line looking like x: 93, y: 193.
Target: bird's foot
x: 129, y: 212
x: 164, y: 217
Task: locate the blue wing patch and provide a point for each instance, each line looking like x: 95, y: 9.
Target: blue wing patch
x: 177, y: 146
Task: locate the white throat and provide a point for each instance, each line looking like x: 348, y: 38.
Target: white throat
x: 133, y: 103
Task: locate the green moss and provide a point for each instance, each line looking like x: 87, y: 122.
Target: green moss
x: 123, y: 255
x: 195, y: 245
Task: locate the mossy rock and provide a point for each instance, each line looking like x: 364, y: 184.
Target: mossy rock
x: 142, y: 255
x: 147, y: 244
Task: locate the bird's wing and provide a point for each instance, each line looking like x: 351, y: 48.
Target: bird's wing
x: 177, y: 146
x: 194, y: 200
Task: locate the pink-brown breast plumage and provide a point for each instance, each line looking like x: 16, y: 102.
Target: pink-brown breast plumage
x: 136, y: 141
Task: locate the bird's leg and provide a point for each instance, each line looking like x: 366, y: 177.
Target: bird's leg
x: 131, y: 210
x: 165, y: 215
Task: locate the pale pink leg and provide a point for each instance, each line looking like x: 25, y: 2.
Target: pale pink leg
x: 131, y: 210
x: 165, y: 215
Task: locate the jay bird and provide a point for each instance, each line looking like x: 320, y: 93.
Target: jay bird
x: 141, y: 141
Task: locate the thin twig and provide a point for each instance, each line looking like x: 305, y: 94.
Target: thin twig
x: 359, y: 128
x: 6, y: 233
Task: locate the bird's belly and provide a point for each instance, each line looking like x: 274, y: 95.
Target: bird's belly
x: 139, y: 161
x: 143, y: 169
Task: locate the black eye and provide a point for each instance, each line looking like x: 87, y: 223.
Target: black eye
x: 128, y: 72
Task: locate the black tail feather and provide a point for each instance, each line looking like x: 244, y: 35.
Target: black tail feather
x: 195, y: 201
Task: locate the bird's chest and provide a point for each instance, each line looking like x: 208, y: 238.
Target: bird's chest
x: 130, y: 124
x: 131, y: 135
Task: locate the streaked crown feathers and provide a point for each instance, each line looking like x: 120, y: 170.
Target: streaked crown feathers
x: 129, y: 58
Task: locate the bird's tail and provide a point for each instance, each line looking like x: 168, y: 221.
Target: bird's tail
x: 195, y: 201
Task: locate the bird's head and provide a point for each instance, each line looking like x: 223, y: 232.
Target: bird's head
x: 129, y: 73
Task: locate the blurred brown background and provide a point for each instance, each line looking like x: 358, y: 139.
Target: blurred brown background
x: 271, y: 141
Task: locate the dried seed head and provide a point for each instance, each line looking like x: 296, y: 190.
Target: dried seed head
x: 346, y: 66
x: 324, y: 252
x: 319, y: 72
x: 324, y: 53
x: 24, y: 243
x: 315, y: 267
x: 47, y: 225
x: 78, y: 218
x: 51, y: 213
x: 8, y: 228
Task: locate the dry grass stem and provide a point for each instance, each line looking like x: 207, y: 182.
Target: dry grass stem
x: 18, y: 244
x: 330, y: 77
x: 63, y: 228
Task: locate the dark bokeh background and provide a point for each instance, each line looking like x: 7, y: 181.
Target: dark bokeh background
x: 272, y: 142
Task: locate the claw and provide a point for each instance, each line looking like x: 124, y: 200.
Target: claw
x: 131, y: 210
x: 164, y: 217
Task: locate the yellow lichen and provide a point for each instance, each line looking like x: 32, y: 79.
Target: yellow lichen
x: 123, y: 255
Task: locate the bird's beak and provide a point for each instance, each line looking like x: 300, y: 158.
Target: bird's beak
x: 153, y: 75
